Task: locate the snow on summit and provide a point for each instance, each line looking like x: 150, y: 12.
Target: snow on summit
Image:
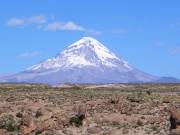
x: 85, y: 52
x: 95, y: 45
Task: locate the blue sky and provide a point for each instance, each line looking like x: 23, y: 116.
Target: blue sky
x: 145, y: 33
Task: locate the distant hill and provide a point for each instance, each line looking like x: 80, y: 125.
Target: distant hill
x: 168, y: 80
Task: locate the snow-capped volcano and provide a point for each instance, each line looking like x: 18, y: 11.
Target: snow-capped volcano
x: 85, y: 61
x: 85, y: 52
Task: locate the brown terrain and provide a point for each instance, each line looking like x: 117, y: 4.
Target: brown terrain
x: 146, y: 109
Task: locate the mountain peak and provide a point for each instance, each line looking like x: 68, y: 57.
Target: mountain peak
x: 90, y: 44
x: 91, y: 39
x: 87, y: 41
x: 86, y: 52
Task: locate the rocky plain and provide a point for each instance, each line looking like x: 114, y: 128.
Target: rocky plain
x: 123, y: 109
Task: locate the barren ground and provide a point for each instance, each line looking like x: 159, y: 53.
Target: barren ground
x: 89, y: 109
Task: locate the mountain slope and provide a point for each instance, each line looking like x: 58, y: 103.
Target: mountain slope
x: 168, y: 80
x: 85, y: 61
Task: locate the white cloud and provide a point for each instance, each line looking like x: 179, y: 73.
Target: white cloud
x: 37, y: 20
x: 29, y: 54
x: 13, y: 22
x: 41, y: 22
x: 64, y: 26
x: 50, y: 24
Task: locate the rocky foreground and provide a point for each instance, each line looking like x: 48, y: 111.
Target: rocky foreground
x: 90, y: 110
